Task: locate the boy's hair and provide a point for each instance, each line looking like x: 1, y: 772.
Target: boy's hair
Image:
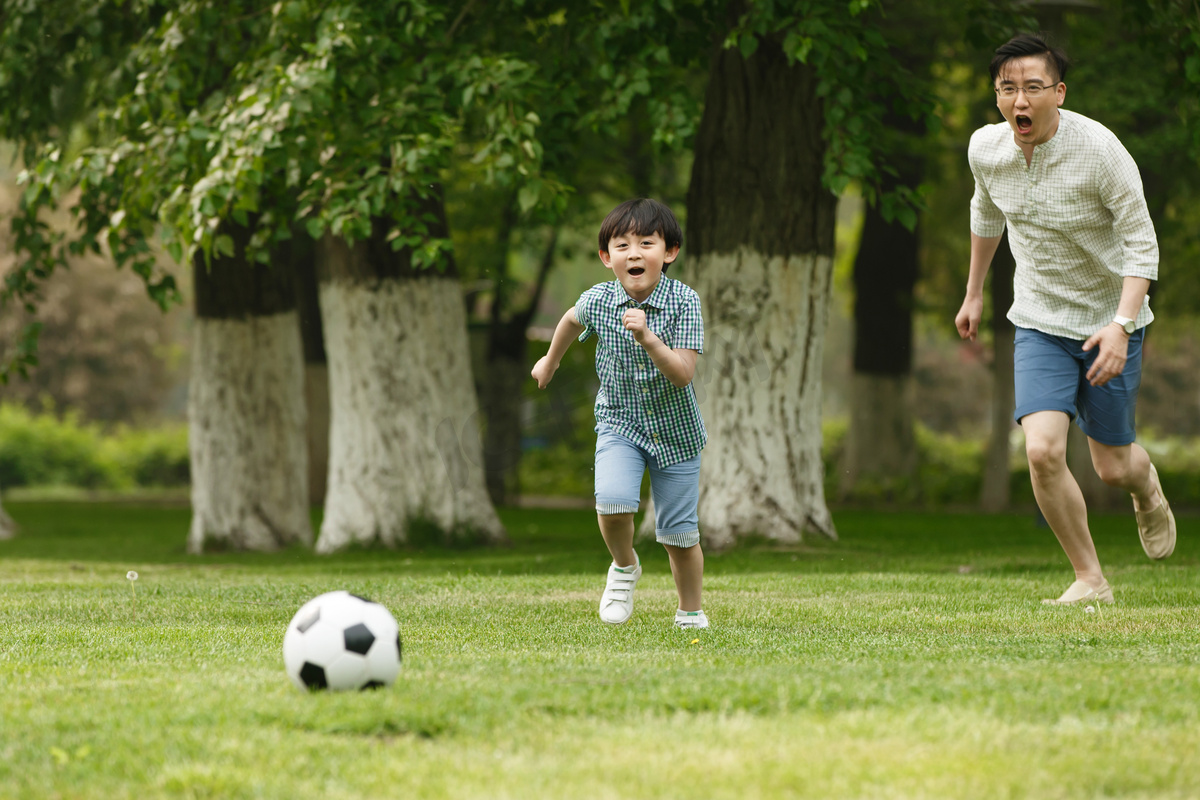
x: 1028, y: 44
x: 641, y: 217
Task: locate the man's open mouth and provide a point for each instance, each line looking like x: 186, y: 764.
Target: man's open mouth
x: 1024, y: 123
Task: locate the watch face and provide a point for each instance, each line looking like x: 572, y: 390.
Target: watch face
x: 1129, y: 327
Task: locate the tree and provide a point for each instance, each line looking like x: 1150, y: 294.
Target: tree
x: 341, y: 117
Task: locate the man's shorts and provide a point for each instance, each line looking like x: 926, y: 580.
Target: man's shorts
x: 1049, y: 374
x: 620, y: 465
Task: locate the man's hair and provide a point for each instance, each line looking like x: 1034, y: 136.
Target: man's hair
x: 641, y: 217
x: 1028, y: 44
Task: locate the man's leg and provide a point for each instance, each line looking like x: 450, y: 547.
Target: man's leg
x: 1126, y: 467
x: 1058, y: 495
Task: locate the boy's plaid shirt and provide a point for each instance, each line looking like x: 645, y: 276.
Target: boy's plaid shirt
x: 1077, y: 223
x: 634, y: 397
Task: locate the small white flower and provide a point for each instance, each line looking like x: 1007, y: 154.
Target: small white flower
x: 1090, y: 610
x: 131, y: 575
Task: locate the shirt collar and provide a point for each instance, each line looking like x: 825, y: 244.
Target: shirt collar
x: 657, y: 298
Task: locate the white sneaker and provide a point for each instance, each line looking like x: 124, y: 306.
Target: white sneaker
x: 690, y: 619
x: 616, y: 604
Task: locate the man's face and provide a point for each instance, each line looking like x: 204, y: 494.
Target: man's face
x: 638, y: 261
x: 1034, y: 120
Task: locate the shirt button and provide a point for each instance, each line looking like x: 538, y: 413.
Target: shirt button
x: 654, y: 436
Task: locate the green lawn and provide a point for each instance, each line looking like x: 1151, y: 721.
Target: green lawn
x: 910, y: 659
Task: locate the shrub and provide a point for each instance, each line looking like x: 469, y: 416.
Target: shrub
x: 45, y: 450
x: 154, y: 457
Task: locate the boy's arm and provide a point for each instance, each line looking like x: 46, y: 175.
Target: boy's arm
x: 679, y: 364
x: 567, y: 330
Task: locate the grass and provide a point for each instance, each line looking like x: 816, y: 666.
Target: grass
x: 910, y: 659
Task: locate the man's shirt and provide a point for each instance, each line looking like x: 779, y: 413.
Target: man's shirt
x: 634, y: 397
x: 1077, y: 223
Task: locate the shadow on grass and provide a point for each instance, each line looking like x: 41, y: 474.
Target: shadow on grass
x: 565, y: 541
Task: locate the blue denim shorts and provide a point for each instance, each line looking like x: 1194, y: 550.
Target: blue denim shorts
x: 1049, y: 375
x: 620, y: 465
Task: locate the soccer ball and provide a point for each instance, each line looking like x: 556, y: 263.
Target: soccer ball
x: 341, y: 641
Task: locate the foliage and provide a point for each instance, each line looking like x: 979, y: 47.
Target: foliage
x: 929, y: 668
x: 43, y: 450
x: 48, y: 450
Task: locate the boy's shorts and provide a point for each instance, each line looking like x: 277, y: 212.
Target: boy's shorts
x: 1049, y: 375
x: 620, y: 465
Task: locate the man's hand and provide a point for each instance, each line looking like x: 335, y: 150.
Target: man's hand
x: 635, y: 322
x: 543, y: 371
x: 1114, y: 349
x: 968, y: 317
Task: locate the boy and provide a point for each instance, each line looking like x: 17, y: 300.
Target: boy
x: 649, y: 331
x: 1085, y: 254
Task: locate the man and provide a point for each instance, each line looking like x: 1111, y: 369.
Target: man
x: 1085, y: 254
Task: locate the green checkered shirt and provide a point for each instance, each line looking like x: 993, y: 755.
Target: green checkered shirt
x: 634, y: 397
x: 1077, y: 223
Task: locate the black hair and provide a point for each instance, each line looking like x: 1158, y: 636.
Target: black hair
x: 1028, y: 44
x: 641, y: 217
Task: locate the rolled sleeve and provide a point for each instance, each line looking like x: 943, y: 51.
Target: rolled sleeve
x: 689, y: 328
x: 987, y: 220
x: 1121, y: 193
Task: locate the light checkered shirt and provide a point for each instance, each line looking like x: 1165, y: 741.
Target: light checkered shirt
x: 634, y: 397
x: 1077, y: 223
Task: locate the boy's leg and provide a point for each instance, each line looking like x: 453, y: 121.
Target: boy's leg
x: 617, y: 530
x: 676, y: 492
x: 619, y: 469
x: 687, y: 566
x: 1058, y: 495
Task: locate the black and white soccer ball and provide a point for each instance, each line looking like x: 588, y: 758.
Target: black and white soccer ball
x: 341, y: 641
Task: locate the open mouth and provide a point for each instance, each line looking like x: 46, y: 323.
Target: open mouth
x: 1024, y: 123
x: 635, y: 271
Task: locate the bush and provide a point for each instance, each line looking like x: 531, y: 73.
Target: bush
x: 154, y: 457
x: 45, y: 450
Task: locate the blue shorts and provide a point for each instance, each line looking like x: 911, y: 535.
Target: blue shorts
x: 1049, y: 375
x: 620, y: 465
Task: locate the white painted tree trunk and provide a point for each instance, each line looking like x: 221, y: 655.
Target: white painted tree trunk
x: 881, y: 445
x: 246, y: 433
x: 404, y: 443
x: 8, y: 528
x: 759, y: 384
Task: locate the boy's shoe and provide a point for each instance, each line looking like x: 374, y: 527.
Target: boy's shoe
x: 616, y: 604
x: 1080, y: 592
x: 690, y: 619
x: 1156, y: 527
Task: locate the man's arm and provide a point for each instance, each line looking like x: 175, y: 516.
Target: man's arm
x: 567, y: 330
x: 1112, y: 339
x: 983, y: 249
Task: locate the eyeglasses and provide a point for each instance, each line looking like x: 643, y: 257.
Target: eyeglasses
x: 1031, y: 91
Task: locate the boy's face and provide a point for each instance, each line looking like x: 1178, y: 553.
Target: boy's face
x: 1034, y: 120
x: 638, y: 261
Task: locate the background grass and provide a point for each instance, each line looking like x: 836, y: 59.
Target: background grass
x: 910, y: 659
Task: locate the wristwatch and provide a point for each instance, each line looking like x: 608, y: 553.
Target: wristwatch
x: 1126, y: 323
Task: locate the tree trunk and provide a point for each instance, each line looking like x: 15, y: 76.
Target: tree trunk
x: 8, y: 528
x: 881, y: 450
x: 316, y: 370
x: 760, y: 248
x: 404, y: 447
x: 507, y: 375
x: 246, y: 418
x: 996, y: 490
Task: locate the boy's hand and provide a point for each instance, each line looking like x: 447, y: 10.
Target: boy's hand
x: 543, y: 371
x: 635, y: 322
